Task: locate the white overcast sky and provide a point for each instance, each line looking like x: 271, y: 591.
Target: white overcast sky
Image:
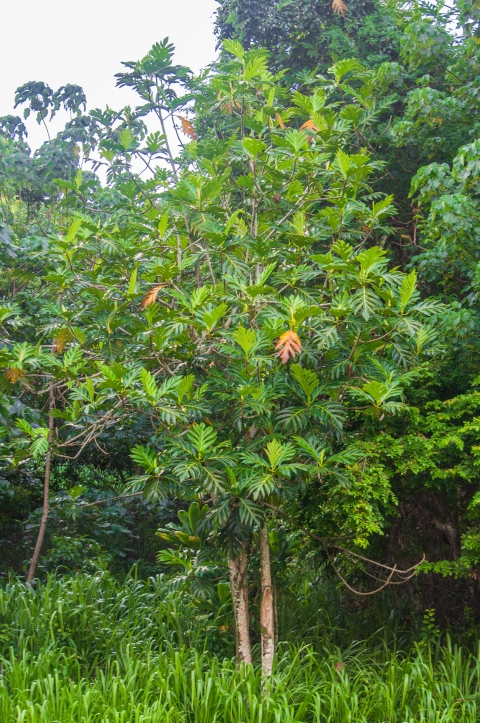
x: 84, y: 42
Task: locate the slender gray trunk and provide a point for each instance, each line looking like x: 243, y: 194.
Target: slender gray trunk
x: 46, y: 495
x: 267, y: 619
x: 238, y: 568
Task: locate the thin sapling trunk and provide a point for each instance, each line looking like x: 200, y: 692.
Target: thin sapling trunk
x: 238, y: 568
x: 46, y: 494
x: 267, y: 618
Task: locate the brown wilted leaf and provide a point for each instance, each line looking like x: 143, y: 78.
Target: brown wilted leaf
x: 309, y: 125
x: 339, y: 666
x: 279, y: 120
x: 288, y: 345
x: 229, y: 106
x: 14, y: 374
x: 339, y: 7
x: 187, y: 127
x: 151, y: 296
x: 60, y: 340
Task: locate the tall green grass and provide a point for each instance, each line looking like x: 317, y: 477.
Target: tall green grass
x: 88, y: 649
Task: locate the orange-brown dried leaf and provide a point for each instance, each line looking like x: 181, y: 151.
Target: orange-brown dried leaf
x: 339, y: 7
x: 59, y: 341
x: 279, y: 120
x: 288, y: 346
x: 151, y: 296
x: 309, y: 125
x: 14, y: 374
x: 229, y: 106
x: 187, y: 128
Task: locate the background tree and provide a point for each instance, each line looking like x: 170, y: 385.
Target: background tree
x: 303, y: 35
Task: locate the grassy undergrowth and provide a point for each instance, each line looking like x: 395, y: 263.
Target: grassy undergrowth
x: 88, y: 649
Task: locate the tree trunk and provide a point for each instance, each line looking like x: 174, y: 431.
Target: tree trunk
x: 46, y: 495
x: 267, y: 622
x: 238, y: 568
